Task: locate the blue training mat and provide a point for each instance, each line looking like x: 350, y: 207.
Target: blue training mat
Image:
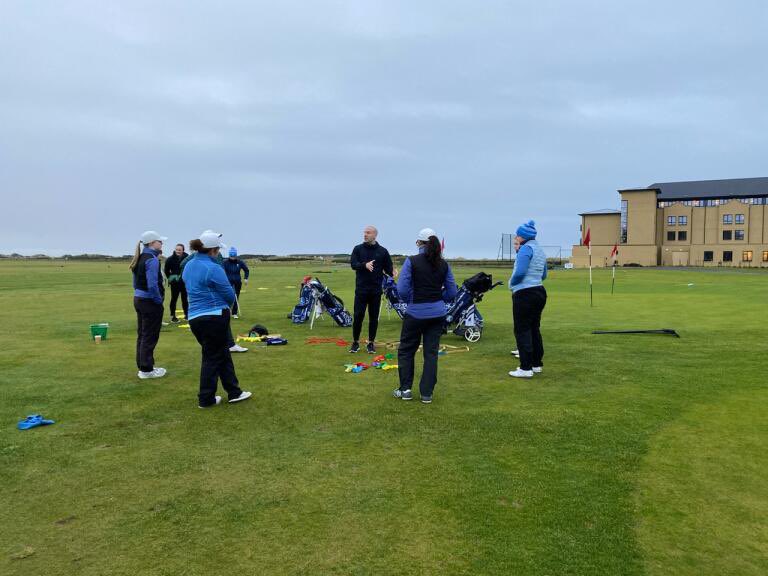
x: 33, y: 421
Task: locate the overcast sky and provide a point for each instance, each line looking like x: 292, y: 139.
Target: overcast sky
x: 290, y: 125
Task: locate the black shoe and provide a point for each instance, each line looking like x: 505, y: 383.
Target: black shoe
x: 371, y: 348
x: 355, y: 347
x: 175, y: 320
x: 426, y: 399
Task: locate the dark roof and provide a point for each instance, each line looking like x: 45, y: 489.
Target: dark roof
x: 601, y: 212
x: 733, y: 188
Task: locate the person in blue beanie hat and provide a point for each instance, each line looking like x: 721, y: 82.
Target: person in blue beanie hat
x: 528, y: 300
x: 232, y: 266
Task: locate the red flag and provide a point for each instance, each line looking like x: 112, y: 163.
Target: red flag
x: 615, y: 251
x: 587, y: 239
x: 442, y: 245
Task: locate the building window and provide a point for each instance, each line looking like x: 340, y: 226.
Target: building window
x: 682, y: 220
x: 682, y: 235
x: 739, y: 235
x: 739, y: 218
x: 765, y: 255
x: 746, y: 256
x: 687, y: 202
x: 670, y: 235
x: 727, y: 234
x: 671, y: 220
x: 727, y: 218
x: 727, y: 256
x: 624, y: 210
x: 708, y: 255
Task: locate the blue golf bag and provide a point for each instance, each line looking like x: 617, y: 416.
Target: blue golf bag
x: 463, y: 312
x: 330, y: 303
x: 394, y: 302
x: 303, y: 309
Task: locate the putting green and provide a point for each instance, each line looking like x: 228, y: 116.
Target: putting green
x: 702, y: 490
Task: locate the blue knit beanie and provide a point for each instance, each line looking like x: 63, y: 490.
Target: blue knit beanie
x: 232, y: 252
x: 527, y: 230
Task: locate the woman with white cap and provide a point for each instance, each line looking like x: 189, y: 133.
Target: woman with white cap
x: 426, y: 283
x: 528, y: 300
x: 148, y: 293
x: 210, y: 299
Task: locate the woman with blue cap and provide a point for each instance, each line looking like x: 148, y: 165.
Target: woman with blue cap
x: 232, y: 266
x: 148, y: 294
x: 425, y: 283
x: 528, y: 300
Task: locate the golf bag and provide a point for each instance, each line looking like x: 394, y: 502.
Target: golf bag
x: 463, y: 312
x: 306, y: 305
x: 325, y: 300
x: 389, y: 287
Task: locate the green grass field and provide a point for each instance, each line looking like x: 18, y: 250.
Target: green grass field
x: 629, y: 455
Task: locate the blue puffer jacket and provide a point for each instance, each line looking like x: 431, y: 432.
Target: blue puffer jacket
x: 530, y: 267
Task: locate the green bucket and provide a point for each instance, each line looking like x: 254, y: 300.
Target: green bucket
x: 99, y: 330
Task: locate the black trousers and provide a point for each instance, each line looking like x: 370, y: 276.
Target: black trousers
x: 149, y: 316
x: 178, y: 289
x: 212, y: 332
x: 371, y: 301
x: 414, y: 330
x: 237, y: 286
x: 527, y: 306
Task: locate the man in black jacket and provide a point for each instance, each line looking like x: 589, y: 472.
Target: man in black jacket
x: 370, y: 261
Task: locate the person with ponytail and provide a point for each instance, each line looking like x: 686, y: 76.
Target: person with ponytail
x: 210, y: 298
x: 426, y: 283
x: 528, y: 300
x: 148, y: 293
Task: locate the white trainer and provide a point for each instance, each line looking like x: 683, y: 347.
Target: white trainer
x: 243, y: 396
x: 235, y: 316
x: 537, y: 369
x: 515, y: 353
x: 521, y: 373
x: 218, y: 401
x: 155, y: 373
x: 238, y: 348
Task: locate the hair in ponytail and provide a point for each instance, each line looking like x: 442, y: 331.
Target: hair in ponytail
x: 434, y: 252
x: 197, y: 246
x: 136, y: 256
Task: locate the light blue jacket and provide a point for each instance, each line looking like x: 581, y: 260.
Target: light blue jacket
x: 530, y: 267
x: 208, y: 290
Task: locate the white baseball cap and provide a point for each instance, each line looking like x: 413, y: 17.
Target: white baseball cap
x: 150, y: 236
x: 211, y: 239
x: 425, y: 233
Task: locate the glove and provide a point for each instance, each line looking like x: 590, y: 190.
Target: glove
x: 246, y: 281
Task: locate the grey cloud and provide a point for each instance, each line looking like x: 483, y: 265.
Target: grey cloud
x: 467, y: 117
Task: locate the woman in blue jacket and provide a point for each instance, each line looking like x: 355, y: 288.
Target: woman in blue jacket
x: 528, y: 300
x: 426, y: 283
x: 210, y: 298
x: 148, y: 293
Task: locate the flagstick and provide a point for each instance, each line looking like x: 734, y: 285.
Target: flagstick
x: 590, y: 275
x: 613, y: 276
